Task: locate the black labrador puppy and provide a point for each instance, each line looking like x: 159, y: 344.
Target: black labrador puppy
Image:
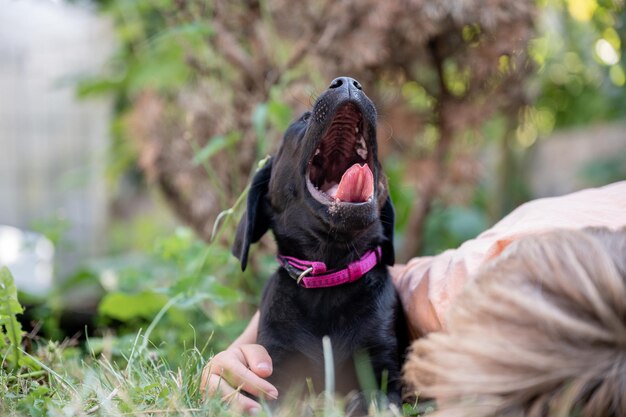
x: 326, y: 200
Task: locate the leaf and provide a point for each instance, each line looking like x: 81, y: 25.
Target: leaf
x: 192, y: 31
x: 125, y: 307
x: 259, y: 122
x: 36, y: 402
x: 279, y: 114
x: 157, y: 65
x: 222, y: 294
x: 215, y: 145
x: 93, y: 87
x: 198, y: 288
x: 160, y: 71
x: 9, y: 309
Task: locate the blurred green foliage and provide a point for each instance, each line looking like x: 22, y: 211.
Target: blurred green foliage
x: 579, y: 55
x: 184, y: 269
x: 605, y: 171
x: 165, y: 295
x: 10, y: 328
x: 151, y: 55
x: 449, y: 226
x: 578, y: 52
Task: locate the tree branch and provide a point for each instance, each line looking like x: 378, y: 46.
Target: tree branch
x: 415, y: 229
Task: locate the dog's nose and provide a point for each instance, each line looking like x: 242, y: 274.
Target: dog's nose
x: 350, y: 83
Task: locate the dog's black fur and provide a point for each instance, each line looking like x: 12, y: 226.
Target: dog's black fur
x: 363, y: 315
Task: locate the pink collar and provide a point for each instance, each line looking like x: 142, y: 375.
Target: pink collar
x: 310, y: 274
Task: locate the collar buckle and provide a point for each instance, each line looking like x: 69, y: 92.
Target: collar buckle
x: 296, y: 273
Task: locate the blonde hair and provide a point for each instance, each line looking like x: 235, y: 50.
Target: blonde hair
x: 540, y: 332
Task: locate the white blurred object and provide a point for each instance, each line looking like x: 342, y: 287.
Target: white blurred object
x: 53, y: 145
x: 30, y: 258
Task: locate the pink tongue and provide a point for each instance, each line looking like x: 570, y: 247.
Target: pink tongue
x: 356, y: 185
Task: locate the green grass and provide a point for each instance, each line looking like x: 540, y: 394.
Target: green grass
x: 73, y: 383
x: 127, y: 375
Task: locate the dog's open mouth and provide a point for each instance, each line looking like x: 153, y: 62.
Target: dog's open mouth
x: 340, y: 169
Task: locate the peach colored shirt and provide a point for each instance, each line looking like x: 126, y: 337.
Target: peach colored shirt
x: 429, y: 285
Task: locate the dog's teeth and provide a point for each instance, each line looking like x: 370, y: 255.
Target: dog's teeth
x: 317, y: 151
x: 361, y: 148
x: 356, y: 129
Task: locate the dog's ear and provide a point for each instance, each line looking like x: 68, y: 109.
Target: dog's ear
x: 255, y: 221
x: 388, y: 218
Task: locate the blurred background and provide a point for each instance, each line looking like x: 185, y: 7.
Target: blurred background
x: 129, y: 130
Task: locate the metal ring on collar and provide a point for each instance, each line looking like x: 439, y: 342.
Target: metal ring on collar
x: 303, y: 274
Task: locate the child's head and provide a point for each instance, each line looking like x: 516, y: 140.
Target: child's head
x: 540, y: 332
